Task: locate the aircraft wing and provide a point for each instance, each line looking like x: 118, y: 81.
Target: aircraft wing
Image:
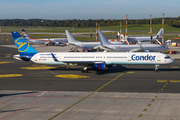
x: 137, y: 50
x: 74, y: 45
x: 141, y: 49
x: 106, y: 48
x: 97, y: 47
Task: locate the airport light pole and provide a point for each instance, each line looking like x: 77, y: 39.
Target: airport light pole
x: 120, y: 29
x: 126, y: 26
x: 151, y: 27
x: 163, y: 29
x: 96, y: 30
x: 73, y: 31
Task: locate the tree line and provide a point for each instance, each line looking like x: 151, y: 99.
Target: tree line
x: 175, y: 22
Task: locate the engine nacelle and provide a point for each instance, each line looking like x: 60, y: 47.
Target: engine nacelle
x: 99, y: 66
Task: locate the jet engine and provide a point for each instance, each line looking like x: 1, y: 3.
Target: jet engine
x: 99, y: 66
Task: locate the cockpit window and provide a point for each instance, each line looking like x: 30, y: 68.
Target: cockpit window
x: 167, y: 57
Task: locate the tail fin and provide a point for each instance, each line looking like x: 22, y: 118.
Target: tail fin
x: 103, y: 39
x: 25, y: 34
x: 118, y: 34
x: 159, y: 34
x: 122, y: 37
x: 70, y: 38
x: 23, y: 46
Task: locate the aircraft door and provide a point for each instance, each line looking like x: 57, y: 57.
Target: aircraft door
x: 129, y: 57
x: 158, y: 58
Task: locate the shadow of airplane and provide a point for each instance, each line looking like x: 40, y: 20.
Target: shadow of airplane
x: 16, y: 110
x: 2, y: 95
x: 114, y: 69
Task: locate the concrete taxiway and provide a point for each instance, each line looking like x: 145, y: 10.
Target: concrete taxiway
x: 30, y: 91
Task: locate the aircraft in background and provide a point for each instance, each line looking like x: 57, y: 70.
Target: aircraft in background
x: 142, y: 39
x: 106, y: 45
x: 91, y: 45
x: 47, y: 42
x: 93, y: 60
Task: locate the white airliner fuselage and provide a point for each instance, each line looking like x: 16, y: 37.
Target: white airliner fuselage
x: 105, y: 57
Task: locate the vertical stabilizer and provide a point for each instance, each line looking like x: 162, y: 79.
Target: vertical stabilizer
x: 70, y: 38
x: 159, y: 34
x: 22, y: 45
x: 103, y: 39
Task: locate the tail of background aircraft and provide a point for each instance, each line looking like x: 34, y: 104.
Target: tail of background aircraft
x: 24, y: 48
x: 121, y: 36
x: 25, y: 34
x: 70, y: 38
x: 159, y: 34
x: 103, y: 39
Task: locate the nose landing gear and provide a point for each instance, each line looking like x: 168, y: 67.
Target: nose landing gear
x: 84, y: 70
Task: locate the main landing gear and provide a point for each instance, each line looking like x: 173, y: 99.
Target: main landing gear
x: 84, y: 70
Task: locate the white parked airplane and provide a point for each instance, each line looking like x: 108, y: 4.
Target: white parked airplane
x: 142, y: 39
x: 106, y: 45
x: 54, y: 41
x: 95, y: 60
x: 92, y: 45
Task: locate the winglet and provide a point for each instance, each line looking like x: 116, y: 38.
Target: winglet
x: 55, y: 59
